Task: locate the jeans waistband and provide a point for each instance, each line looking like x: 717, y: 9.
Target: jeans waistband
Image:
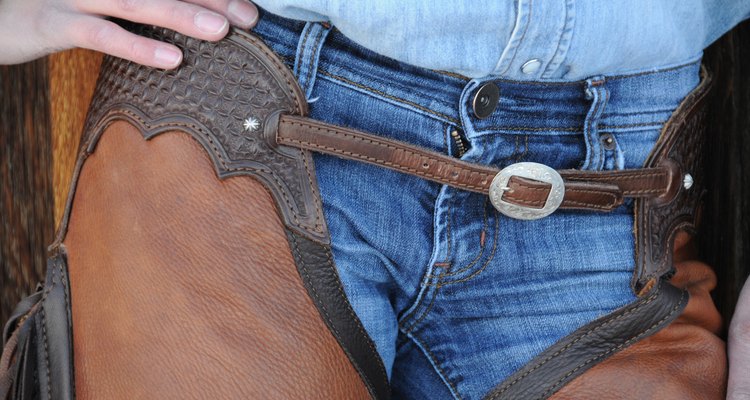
x: 633, y: 102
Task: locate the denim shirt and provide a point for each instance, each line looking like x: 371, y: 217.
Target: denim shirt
x: 563, y: 40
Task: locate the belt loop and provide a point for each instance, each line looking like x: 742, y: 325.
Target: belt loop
x: 598, y: 94
x: 308, y: 53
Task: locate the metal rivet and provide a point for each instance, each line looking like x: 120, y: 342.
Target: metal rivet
x: 486, y: 99
x: 608, y: 141
x: 687, y: 181
x: 251, y: 124
x: 531, y: 66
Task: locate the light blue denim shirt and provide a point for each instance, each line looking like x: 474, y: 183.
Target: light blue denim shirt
x: 527, y: 39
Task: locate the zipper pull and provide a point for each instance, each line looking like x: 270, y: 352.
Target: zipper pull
x: 461, y: 145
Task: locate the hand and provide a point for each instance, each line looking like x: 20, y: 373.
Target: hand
x: 34, y: 28
x: 739, y: 348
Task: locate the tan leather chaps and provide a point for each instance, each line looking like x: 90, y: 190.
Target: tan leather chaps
x: 193, y: 260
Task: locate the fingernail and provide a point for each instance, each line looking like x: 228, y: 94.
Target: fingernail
x: 210, y: 22
x: 243, y: 13
x: 167, y: 57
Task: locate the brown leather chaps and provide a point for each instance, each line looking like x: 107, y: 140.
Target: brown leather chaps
x: 193, y: 260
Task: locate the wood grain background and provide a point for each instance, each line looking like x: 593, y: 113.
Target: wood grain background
x: 42, y: 108
x: 26, y: 215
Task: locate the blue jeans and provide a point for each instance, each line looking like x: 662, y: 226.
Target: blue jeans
x: 455, y: 295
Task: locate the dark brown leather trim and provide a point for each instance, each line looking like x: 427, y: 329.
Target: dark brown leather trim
x: 584, y: 190
x: 315, y: 265
x: 679, y: 149
x: 589, y: 345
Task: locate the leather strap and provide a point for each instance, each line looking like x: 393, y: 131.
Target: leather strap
x: 598, y: 340
x: 584, y: 190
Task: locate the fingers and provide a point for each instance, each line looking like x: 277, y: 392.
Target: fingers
x: 105, y: 36
x: 202, y: 19
x: 240, y: 12
x: 51, y: 25
x: 186, y: 18
x: 739, y: 348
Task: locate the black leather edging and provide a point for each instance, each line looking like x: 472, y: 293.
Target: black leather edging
x: 19, y: 343
x: 25, y: 385
x: 316, y: 268
x: 20, y: 312
x: 54, y: 335
x: 593, y: 343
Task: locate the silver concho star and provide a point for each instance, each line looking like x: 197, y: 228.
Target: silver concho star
x: 251, y: 124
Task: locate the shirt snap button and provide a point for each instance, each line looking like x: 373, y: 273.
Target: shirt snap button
x: 531, y: 66
x: 486, y: 99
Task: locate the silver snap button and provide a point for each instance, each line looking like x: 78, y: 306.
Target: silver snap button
x: 687, y: 181
x: 531, y: 66
x: 486, y: 99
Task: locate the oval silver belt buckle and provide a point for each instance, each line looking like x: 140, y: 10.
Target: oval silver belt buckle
x: 533, y: 171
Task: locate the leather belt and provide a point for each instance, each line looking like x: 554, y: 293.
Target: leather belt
x: 522, y: 190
